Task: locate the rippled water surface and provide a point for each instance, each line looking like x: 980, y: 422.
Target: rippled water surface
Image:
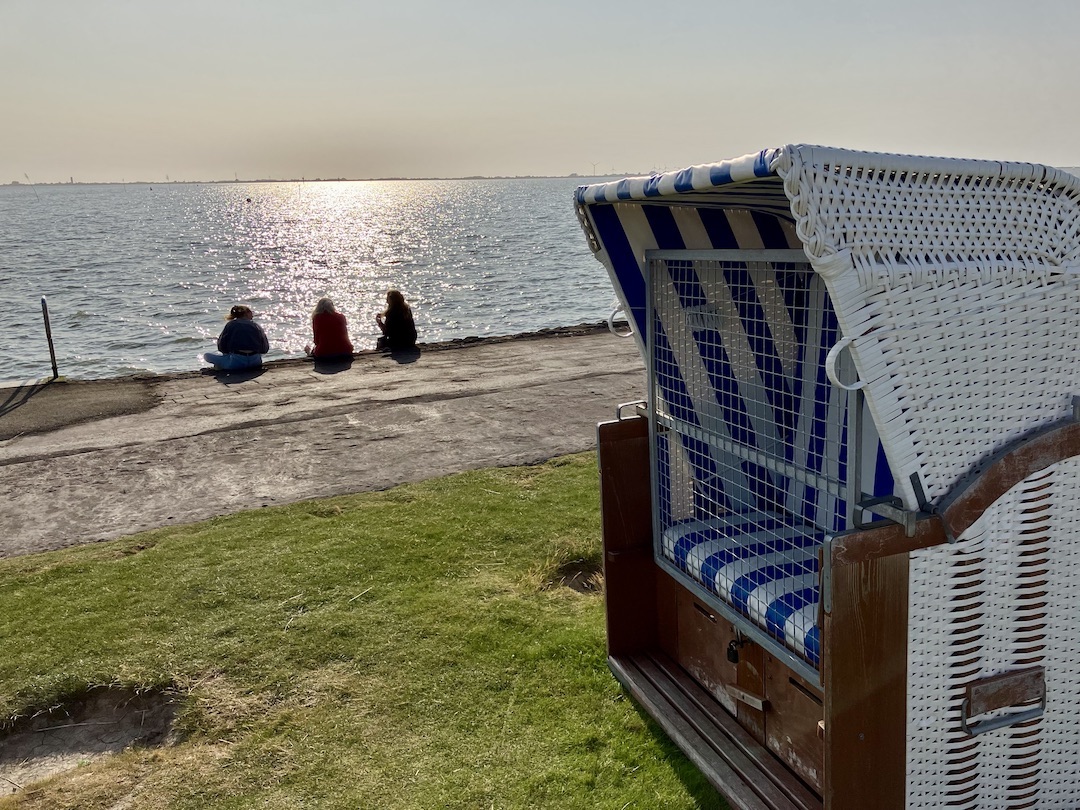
x: 139, y: 277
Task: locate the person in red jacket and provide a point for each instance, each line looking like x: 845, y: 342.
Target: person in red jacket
x: 330, y: 330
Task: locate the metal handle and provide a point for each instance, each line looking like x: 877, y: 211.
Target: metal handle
x: 1001, y: 721
x: 611, y: 322
x: 1005, y: 689
x: 749, y: 698
x: 830, y: 366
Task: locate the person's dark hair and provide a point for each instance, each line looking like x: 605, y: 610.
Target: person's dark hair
x: 239, y: 311
x: 395, y: 300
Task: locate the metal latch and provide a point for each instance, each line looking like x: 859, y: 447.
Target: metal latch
x: 892, y: 508
x: 749, y: 698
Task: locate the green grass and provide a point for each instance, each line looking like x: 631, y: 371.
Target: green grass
x: 405, y: 649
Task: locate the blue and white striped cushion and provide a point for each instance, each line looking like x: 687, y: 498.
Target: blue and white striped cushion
x: 760, y: 564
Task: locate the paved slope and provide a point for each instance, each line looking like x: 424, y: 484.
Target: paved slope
x: 81, y: 462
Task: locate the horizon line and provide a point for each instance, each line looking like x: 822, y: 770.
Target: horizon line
x: 236, y: 181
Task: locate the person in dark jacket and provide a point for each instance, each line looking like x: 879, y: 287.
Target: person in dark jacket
x: 397, y: 324
x: 241, y: 343
x: 330, y: 330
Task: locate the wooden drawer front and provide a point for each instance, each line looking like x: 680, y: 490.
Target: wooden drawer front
x: 792, y: 717
x: 702, y: 647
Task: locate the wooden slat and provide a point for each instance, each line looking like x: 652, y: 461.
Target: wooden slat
x: 1006, y: 689
x: 626, y: 522
x: 1008, y: 468
x: 703, y: 641
x: 690, y: 741
x: 791, y: 723
x: 959, y: 509
x: 625, y: 490
x: 667, y: 613
x: 751, y: 760
x: 751, y: 677
x: 865, y: 680
x: 755, y: 751
x: 886, y: 540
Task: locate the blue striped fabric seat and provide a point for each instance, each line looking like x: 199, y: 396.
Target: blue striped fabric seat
x: 760, y: 564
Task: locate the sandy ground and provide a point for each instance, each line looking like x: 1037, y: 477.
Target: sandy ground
x: 88, y: 461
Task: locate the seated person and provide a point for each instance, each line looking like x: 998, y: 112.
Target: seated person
x: 330, y: 331
x: 397, y: 325
x: 241, y: 343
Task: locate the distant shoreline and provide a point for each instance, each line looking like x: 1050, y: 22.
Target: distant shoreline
x: 586, y: 179
x: 240, y: 182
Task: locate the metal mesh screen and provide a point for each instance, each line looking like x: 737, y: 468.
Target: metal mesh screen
x: 751, y: 437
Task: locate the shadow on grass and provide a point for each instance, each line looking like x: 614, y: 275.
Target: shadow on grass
x: 705, y: 795
x: 85, y: 727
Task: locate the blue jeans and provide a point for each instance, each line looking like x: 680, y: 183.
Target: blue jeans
x: 233, y: 362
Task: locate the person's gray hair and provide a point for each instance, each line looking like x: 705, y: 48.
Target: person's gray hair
x: 324, y: 305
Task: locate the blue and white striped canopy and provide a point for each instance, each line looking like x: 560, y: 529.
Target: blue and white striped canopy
x: 734, y: 204
x: 694, y: 178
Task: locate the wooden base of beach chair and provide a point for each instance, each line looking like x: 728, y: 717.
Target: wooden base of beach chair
x: 841, y: 545
x: 761, y: 734
x: 734, y: 761
x: 752, y: 726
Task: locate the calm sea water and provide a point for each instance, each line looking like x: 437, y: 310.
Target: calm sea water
x: 139, y: 278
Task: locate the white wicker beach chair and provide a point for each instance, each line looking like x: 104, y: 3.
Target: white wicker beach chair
x: 840, y: 538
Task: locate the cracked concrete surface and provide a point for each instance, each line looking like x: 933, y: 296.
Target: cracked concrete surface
x: 83, y: 462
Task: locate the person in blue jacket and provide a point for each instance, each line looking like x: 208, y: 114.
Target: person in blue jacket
x: 241, y: 343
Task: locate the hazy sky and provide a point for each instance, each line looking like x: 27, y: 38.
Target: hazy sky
x: 144, y: 89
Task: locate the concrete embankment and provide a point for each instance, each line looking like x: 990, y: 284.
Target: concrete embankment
x: 88, y: 461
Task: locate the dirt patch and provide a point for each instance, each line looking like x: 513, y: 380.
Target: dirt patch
x: 583, y: 576
x: 103, y: 722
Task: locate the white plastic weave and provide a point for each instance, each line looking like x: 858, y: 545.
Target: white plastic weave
x: 957, y: 282
x: 1000, y: 599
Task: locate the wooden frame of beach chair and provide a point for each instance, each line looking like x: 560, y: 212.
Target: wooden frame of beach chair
x: 839, y: 536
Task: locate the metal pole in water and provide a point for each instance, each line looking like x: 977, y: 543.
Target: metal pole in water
x: 48, y: 336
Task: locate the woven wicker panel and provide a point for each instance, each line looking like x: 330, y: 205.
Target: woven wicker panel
x: 957, y: 282
x: 1001, y: 599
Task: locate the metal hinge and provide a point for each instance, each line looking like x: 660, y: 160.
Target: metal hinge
x: 892, y: 508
